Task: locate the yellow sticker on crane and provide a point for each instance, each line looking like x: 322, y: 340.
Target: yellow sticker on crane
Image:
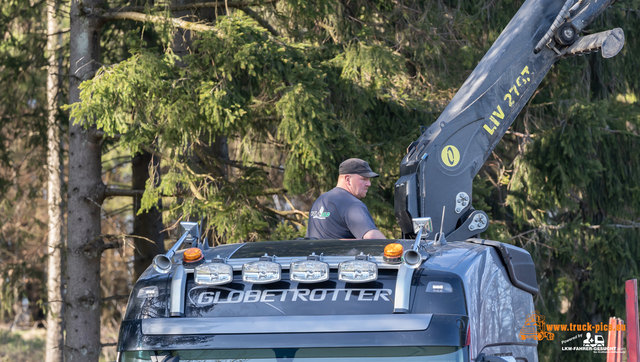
x: 450, y: 156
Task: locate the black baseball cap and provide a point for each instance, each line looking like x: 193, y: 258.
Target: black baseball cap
x: 358, y: 167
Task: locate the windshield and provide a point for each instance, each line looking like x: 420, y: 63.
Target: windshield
x: 352, y: 354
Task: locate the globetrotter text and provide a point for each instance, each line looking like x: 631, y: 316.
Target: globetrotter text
x: 200, y: 297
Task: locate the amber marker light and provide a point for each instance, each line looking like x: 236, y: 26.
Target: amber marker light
x: 192, y: 257
x: 393, y: 253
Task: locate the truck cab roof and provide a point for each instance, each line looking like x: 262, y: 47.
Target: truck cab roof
x: 447, y: 302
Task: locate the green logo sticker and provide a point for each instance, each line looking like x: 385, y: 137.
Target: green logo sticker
x: 320, y: 214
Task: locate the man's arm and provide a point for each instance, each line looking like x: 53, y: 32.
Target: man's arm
x: 374, y: 234
x: 360, y: 222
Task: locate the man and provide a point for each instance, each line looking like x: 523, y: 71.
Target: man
x: 339, y: 213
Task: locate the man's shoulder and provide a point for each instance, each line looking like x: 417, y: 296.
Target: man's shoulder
x: 335, y: 202
x: 340, y: 194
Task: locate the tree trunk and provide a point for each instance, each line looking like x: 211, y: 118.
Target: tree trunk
x: 55, y: 337
x: 85, y: 196
x: 148, y: 224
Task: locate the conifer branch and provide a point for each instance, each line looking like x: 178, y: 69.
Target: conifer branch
x: 196, y: 191
x: 239, y: 164
x: 119, y: 164
x: 178, y: 23
x: 618, y: 226
x: 287, y: 212
x: 114, y: 191
x: 269, y: 192
x: 521, y: 135
x: 493, y: 182
x: 177, y: 164
x: 261, y: 21
x: 608, y: 130
x: 289, y: 202
x: 402, y: 6
x: 197, y: 6
x: 113, y: 224
x: 102, y: 134
x: 97, y: 246
x: 558, y: 227
x: 136, y: 13
x: 126, y: 208
x: 214, y: 169
x: 59, y: 32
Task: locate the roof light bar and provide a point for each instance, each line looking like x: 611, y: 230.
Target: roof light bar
x: 357, y: 271
x: 213, y: 274
x: 309, y: 271
x: 261, y: 272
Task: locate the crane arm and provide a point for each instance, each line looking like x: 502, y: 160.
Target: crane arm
x: 437, y: 172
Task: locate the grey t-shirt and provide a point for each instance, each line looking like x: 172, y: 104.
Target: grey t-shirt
x: 337, y: 214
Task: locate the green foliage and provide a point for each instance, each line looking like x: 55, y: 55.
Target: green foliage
x: 242, y: 85
x: 287, y: 232
x: 22, y: 100
x: 22, y: 133
x: 247, y: 114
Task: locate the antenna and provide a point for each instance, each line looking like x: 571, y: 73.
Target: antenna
x: 204, y: 242
x: 439, y: 237
x: 442, y: 218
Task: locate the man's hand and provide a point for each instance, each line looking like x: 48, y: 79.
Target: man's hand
x: 373, y: 234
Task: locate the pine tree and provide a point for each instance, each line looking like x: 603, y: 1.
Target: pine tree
x: 55, y: 244
x: 23, y: 130
x: 323, y: 81
x: 85, y: 196
x: 314, y: 101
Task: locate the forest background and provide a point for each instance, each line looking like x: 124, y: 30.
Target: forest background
x: 240, y: 113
